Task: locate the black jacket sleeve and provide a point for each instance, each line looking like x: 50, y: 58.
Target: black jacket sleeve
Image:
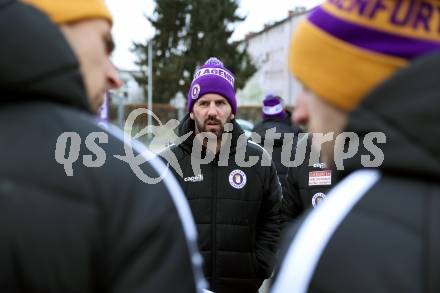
x: 268, y: 229
x: 291, y: 204
x: 148, y: 249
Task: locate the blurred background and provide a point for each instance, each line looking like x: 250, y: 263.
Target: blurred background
x: 159, y: 43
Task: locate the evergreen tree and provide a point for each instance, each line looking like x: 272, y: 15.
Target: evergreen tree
x: 188, y: 32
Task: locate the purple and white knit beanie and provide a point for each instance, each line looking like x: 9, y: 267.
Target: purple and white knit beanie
x: 212, y: 78
x: 273, y: 108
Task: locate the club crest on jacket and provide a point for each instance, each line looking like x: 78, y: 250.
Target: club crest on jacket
x: 237, y: 179
x: 318, y: 198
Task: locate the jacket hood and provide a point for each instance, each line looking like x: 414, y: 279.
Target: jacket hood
x: 406, y: 108
x: 187, y: 125
x: 36, y: 61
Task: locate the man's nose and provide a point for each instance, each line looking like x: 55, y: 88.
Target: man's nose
x: 212, y: 110
x: 301, y: 114
x: 113, y: 80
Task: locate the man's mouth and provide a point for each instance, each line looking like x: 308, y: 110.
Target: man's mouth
x: 212, y: 123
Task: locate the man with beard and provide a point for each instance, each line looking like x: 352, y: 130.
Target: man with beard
x: 235, y: 204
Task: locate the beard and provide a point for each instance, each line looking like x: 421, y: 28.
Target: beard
x: 203, y: 126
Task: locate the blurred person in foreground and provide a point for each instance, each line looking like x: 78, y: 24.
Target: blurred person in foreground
x: 307, y: 184
x: 98, y: 229
x: 370, y: 68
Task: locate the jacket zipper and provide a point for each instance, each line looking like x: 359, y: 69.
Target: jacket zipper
x: 214, y: 224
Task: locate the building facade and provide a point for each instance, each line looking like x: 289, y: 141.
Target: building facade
x: 268, y: 50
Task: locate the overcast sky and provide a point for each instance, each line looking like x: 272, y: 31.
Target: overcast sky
x: 131, y: 25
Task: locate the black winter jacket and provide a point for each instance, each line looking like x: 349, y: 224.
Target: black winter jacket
x: 238, y: 226
x: 387, y: 238
x: 100, y: 230
x: 281, y: 127
x: 307, y: 185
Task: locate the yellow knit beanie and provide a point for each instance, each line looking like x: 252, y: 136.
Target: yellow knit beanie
x: 65, y: 11
x: 345, y: 48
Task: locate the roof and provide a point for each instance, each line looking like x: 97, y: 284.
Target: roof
x: 268, y: 27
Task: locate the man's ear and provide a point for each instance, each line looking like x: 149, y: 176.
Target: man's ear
x: 191, y: 115
x: 232, y: 116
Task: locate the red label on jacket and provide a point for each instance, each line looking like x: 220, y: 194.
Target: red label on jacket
x: 320, y: 178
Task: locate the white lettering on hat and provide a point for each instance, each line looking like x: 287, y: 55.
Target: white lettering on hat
x: 215, y: 71
x: 272, y: 110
